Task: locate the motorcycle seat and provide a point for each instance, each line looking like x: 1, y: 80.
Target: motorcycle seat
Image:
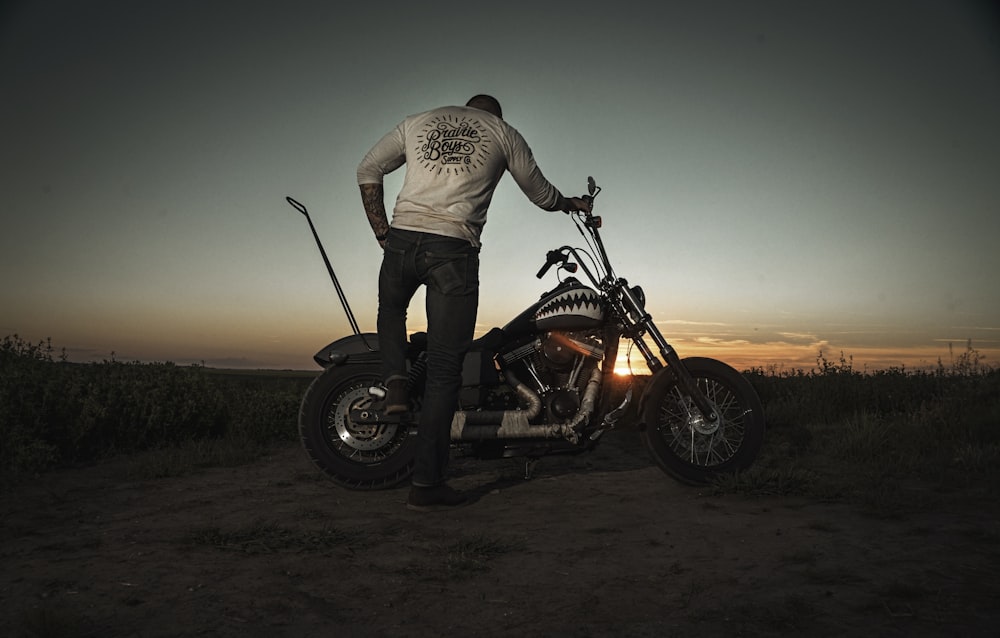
x: 489, y: 342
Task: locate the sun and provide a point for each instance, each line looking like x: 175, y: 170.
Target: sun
x: 626, y: 365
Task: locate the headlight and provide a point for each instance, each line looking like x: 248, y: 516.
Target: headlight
x: 638, y: 293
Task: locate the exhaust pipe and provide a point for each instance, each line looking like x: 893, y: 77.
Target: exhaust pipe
x: 471, y: 425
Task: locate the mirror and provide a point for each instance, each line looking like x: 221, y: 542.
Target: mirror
x: 591, y: 186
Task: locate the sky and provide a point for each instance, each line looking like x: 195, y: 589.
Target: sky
x: 782, y: 178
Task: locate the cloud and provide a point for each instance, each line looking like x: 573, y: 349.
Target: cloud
x: 685, y: 322
x: 715, y: 341
x: 799, y: 336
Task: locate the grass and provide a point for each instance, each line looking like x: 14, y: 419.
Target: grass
x: 834, y: 433
x: 891, y: 441
x: 54, y: 413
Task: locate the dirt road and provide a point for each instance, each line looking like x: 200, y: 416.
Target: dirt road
x: 597, y: 545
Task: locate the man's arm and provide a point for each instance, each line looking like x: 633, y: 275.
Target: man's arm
x: 373, y: 198
x: 527, y: 175
x: 387, y: 155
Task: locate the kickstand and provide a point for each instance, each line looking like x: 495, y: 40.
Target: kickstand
x: 529, y: 468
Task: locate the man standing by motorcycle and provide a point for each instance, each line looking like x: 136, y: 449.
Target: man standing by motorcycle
x: 455, y: 157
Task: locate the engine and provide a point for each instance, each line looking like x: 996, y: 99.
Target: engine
x: 558, y: 367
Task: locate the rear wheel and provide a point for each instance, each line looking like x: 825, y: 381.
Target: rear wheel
x: 356, y: 456
x: 683, y: 443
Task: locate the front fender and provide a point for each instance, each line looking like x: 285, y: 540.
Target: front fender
x: 359, y: 348
x: 663, y: 376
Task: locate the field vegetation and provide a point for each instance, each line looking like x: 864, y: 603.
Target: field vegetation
x: 878, y: 439
x: 835, y: 433
x: 55, y: 413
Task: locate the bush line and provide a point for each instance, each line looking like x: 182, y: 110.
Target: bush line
x: 831, y: 431
x: 54, y: 413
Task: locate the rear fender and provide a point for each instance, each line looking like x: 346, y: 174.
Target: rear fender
x: 478, y: 368
x: 353, y: 349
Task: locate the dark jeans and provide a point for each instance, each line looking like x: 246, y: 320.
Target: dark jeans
x: 449, y: 267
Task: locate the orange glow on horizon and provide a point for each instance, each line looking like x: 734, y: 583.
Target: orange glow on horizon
x: 293, y: 350
x: 783, y: 357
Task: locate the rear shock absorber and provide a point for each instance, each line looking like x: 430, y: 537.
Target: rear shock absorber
x: 418, y: 374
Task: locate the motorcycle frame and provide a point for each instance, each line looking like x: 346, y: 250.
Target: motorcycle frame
x: 629, y: 304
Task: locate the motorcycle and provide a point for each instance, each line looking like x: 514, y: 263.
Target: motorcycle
x: 538, y: 386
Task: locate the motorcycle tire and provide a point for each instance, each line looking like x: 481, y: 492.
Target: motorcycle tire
x: 687, y: 447
x: 355, y: 456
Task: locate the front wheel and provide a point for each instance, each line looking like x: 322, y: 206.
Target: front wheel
x: 683, y: 443
x: 356, y: 456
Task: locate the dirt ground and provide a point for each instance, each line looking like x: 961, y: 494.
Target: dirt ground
x: 603, y: 544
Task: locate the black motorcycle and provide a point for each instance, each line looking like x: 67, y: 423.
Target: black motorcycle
x: 538, y: 386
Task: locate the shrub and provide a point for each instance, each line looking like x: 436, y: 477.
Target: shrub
x: 863, y: 432
x: 833, y: 432
x: 55, y: 413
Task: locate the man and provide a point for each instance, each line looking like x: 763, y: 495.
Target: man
x: 455, y: 157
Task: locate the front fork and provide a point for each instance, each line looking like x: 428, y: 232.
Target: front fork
x: 684, y: 378
x: 638, y: 323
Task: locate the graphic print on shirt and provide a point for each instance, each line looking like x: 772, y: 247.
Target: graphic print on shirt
x: 452, y: 144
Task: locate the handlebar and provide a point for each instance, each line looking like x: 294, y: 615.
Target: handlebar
x: 584, y: 220
x: 551, y: 259
x: 560, y: 256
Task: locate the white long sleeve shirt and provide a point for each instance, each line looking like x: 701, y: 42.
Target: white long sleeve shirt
x: 455, y: 157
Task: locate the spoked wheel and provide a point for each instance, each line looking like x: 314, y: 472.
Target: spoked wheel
x: 687, y: 446
x: 356, y: 456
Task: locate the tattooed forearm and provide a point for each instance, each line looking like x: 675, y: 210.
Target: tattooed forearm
x: 373, y: 198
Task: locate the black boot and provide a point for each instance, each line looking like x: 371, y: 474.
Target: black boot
x: 391, y: 398
x: 397, y: 399
x: 439, y: 497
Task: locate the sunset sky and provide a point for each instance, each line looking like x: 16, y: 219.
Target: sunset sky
x: 781, y: 177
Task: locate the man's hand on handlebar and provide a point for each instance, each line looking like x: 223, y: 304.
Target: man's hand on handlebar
x: 572, y: 204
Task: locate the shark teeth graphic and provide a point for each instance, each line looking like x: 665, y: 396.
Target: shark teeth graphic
x: 583, y: 303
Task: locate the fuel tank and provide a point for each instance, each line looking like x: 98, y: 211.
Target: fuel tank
x: 570, y: 306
